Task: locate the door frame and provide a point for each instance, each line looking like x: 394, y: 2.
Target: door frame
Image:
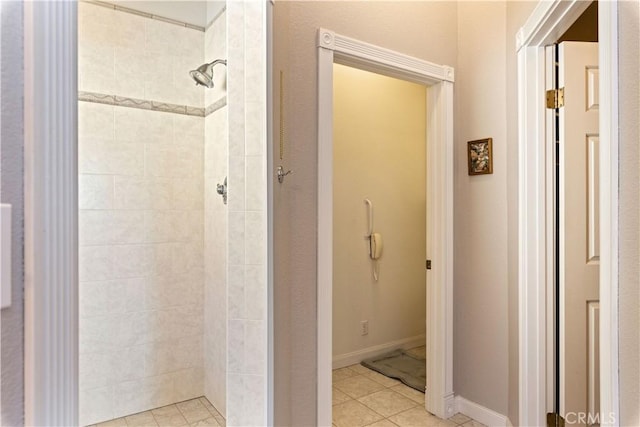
x: 439, y: 80
x: 547, y: 22
x: 51, y: 213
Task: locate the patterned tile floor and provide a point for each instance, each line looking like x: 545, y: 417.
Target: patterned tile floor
x: 190, y: 413
x: 362, y: 397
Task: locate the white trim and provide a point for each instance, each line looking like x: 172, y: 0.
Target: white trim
x: 479, y: 413
x: 548, y: 20
x: 439, y: 80
x: 51, y: 214
x: 270, y: 246
x: 609, y: 195
x: 358, y: 356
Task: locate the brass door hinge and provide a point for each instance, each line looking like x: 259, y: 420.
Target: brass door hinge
x: 555, y: 98
x: 554, y: 420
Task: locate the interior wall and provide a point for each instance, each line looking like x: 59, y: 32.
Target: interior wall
x: 12, y: 192
x: 216, y: 154
x: 141, y: 214
x: 379, y: 151
x: 427, y: 30
x: 629, y: 212
x: 481, y: 336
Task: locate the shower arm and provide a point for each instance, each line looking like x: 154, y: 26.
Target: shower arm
x: 216, y: 62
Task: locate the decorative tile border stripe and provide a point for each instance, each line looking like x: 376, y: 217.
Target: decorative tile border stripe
x: 215, y: 18
x: 144, y: 14
x: 122, y: 101
x: 215, y: 106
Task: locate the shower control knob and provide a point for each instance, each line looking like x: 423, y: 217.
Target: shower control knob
x: 222, y: 190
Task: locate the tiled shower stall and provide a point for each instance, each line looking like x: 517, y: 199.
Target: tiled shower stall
x: 173, y: 281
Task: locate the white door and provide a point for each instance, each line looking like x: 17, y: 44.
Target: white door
x: 579, y: 239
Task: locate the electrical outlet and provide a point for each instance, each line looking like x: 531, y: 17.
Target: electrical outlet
x: 364, y: 327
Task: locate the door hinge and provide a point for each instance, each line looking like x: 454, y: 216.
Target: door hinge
x: 428, y: 264
x: 555, y: 98
x: 554, y: 420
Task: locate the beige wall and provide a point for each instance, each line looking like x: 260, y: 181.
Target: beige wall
x: 379, y: 153
x: 629, y: 132
x: 11, y: 190
x: 481, y: 367
x: 423, y: 29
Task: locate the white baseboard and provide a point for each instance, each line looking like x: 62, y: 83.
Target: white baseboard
x: 347, y: 359
x: 479, y: 413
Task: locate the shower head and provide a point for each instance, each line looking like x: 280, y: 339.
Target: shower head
x: 203, y: 75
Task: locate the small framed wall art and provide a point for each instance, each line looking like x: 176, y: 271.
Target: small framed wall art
x: 480, y: 156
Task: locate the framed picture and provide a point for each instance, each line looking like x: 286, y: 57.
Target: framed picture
x: 480, y: 156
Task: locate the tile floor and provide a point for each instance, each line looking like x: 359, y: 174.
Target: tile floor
x: 362, y: 397
x: 191, y: 413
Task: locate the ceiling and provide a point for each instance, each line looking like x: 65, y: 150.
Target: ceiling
x: 189, y: 11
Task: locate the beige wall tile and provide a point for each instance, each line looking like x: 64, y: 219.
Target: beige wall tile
x: 129, y: 72
x: 187, y: 193
x: 95, y: 191
x: 109, y: 158
x: 189, y: 384
x: 255, y: 291
x: 131, y: 260
x: 95, y: 121
x: 98, y: 334
x: 96, y: 68
x: 96, y: 370
x: 236, y: 200
x: 129, y: 364
x: 129, y: 31
x: 255, y: 238
x: 97, y: 404
x: 110, y: 227
x: 173, y: 161
x: 255, y: 183
x: 255, y: 130
x: 143, y: 126
x: 96, y: 263
x: 143, y: 193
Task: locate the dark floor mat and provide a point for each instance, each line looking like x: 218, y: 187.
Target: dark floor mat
x: 402, y: 366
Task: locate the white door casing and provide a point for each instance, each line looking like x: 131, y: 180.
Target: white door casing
x: 439, y: 81
x: 548, y: 21
x: 579, y: 242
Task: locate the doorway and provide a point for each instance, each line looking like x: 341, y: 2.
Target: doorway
x: 573, y: 73
x: 541, y: 340
x: 379, y: 246
x: 334, y: 48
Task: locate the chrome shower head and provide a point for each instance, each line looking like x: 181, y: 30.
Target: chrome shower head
x: 203, y: 75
